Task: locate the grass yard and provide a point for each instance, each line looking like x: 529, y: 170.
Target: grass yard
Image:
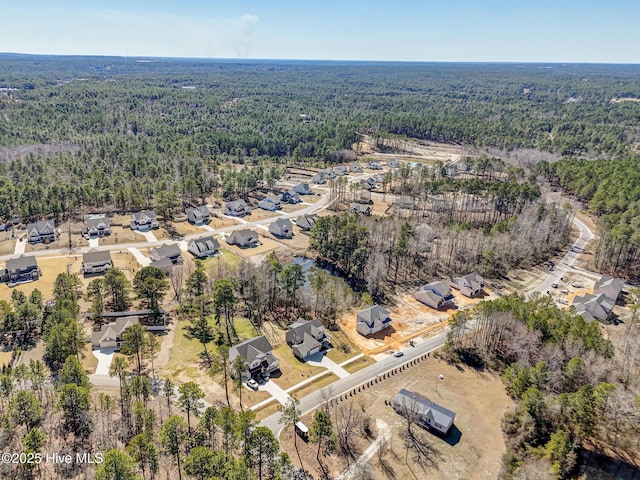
x: 88, y: 361
x: 50, y: 267
x: 267, y: 410
x: 7, y: 247
x: 185, y: 228
x: 125, y: 262
x: 343, y: 349
x: 359, y: 364
x: 321, y: 382
x: 293, y: 370
x: 288, y: 208
x: 121, y: 235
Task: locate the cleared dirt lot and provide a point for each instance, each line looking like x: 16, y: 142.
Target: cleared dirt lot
x: 472, y: 451
x: 411, y: 319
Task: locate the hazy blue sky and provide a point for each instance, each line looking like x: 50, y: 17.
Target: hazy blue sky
x: 424, y: 30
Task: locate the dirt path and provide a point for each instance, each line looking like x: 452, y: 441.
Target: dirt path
x: 385, y: 435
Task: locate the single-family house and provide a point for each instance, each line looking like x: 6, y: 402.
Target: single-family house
x: 610, y: 286
x: 360, y: 209
x: 166, y: 256
x: 435, y: 295
x: 305, y: 222
x: 377, y: 178
x: 374, y: 165
x: 271, y: 204
x: 363, y: 196
x: 291, y: 196
x: 41, y: 232
x: 340, y: 171
x: 96, y: 226
x: 22, y: 269
x: 319, y: 178
x: 96, y: 261
x: 199, y: 215
x: 110, y: 334
x: 153, y: 321
x: 428, y: 414
x: 307, y: 337
x: 328, y: 173
x: 355, y: 168
x: 282, y: 228
x: 144, y: 221
x: 591, y: 307
x: 469, y: 285
x: 368, y: 184
x: 204, y: 247
x: 243, y: 238
x: 302, y: 189
x: 393, y: 163
x: 258, y: 353
x: 371, y: 320
x: 404, y: 202
x: 237, y: 208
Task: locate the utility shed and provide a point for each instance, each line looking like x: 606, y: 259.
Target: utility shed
x: 427, y: 413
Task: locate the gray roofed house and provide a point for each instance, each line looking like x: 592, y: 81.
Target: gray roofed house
x: 363, y: 196
x: 237, y: 208
x: 199, y: 215
x: 355, y: 168
x: 291, y: 196
x: 3, y: 227
x: 305, y: 222
x: 319, y: 178
x: 302, y: 188
x: 144, y: 220
x: 374, y: 165
x: 203, y: 247
x: 610, y: 286
x: 109, y: 334
x: 166, y: 256
x: 360, y: 209
x: 371, y: 320
x: 435, y: 295
x: 22, y: 269
x: 405, y: 202
x: 243, y: 238
x: 590, y: 306
x: 469, y: 285
x: 282, y: 228
x: 307, y: 337
x: 97, y: 226
x: 393, y: 163
x: 340, y: 171
x: 44, y: 231
x: 328, y: 173
x: 257, y: 352
x: 368, y: 184
x: 427, y: 413
x: 96, y: 261
x: 270, y: 203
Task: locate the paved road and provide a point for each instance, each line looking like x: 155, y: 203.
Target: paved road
x: 343, y: 385
x: 567, y: 261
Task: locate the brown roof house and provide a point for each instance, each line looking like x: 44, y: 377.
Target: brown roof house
x: 372, y: 320
x: 306, y: 337
x: 258, y: 354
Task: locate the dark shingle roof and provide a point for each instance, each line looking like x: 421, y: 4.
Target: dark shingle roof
x: 23, y: 262
x: 95, y: 256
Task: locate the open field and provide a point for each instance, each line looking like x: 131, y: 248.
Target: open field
x: 411, y: 149
x: 474, y: 447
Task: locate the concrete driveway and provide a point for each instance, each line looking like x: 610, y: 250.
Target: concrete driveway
x: 321, y: 360
x: 142, y: 260
x: 20, y: 246
x: 93, y: 242
x: 149, y: 236
x: 276, y: 392
x: 105, y: 357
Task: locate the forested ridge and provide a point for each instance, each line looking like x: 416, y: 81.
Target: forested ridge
x: 103, y: 131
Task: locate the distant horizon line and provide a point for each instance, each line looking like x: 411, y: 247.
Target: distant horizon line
x: 318, y: 60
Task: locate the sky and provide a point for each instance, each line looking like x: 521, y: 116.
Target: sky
x: 393, y: 30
